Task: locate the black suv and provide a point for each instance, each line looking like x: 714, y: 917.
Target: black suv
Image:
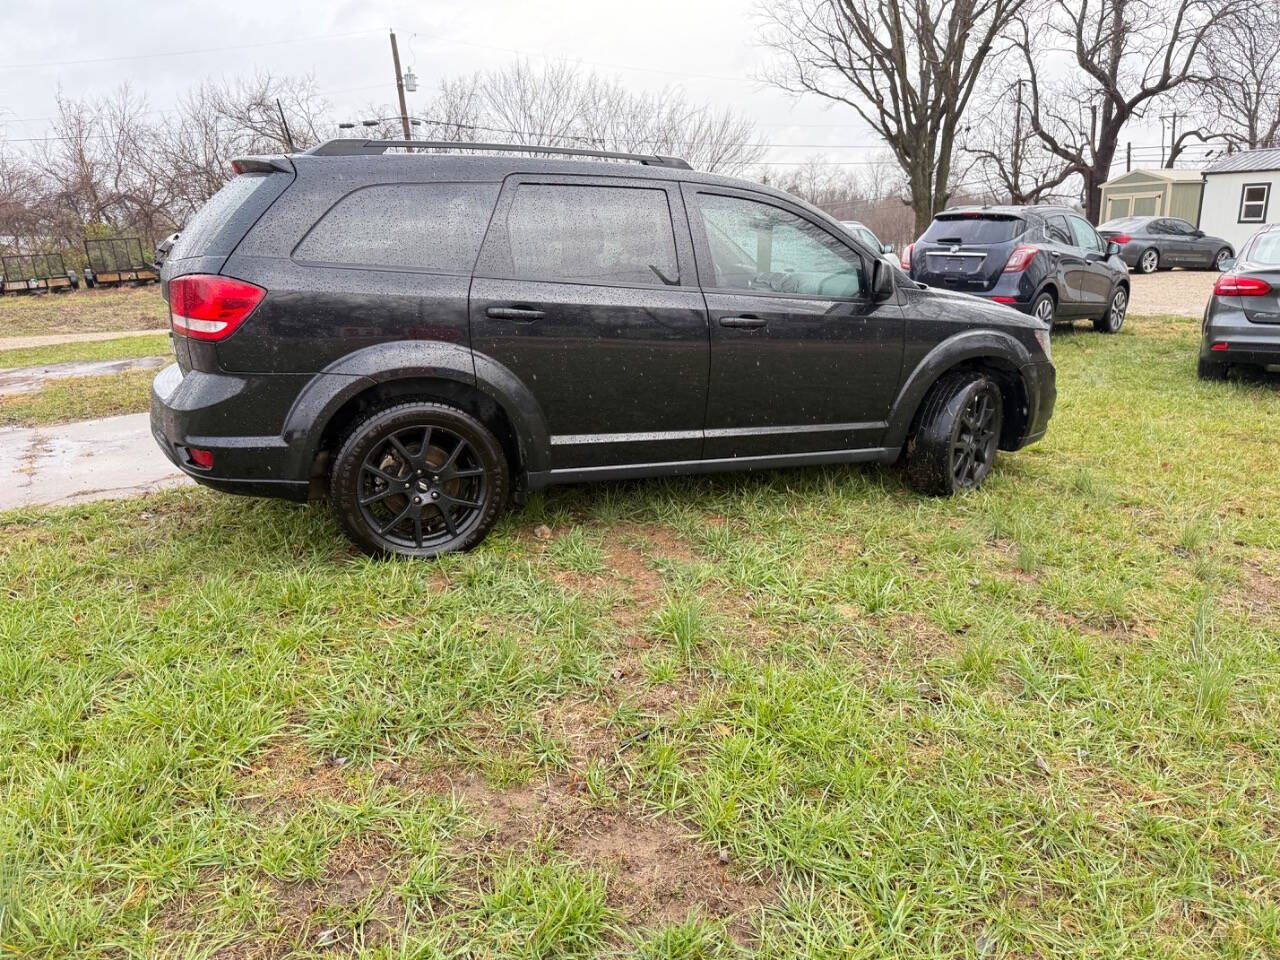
x: 421, y: 336
x: 1045, y: 261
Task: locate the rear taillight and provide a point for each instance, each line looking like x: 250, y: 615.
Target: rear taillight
x: 210, y: 308
x: 1021, y: 258
x: 1234, y: 285
x: 1120, y: 238
x: 905, y: 261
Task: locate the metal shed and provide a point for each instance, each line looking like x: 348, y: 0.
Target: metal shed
x: 1153, y: 193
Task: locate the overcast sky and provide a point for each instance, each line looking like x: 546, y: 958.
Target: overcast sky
x: 708, y: 47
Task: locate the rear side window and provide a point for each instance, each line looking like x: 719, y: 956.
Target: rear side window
x: 973, y: 229
x: 211, y: 231
x: 433, y: 227
x: 1056, y: 229
x: 1264, y: 249
x: 589, y: 234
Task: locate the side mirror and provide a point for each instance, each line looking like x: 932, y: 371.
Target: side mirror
x: 1198, y: 234
x: 1113, y: 249
x: 1228, y: 264
x: 881, y: 281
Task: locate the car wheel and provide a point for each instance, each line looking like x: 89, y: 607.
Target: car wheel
x: 1045, y: 308
x: 1219, y: 258
x: 1149, y: 262
x: 1208, y: 370
x: 954, y: 445
x: 1113, y: 319
x: 419, y: 479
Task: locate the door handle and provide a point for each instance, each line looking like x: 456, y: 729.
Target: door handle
x: 742, y: 323
x: 522, y: 314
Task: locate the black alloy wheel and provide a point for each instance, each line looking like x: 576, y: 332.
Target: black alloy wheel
x: 954, y: 447
x: 419, y: 479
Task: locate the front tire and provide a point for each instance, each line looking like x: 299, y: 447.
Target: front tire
x: 417, y: 480
x: 1149, y: 261
x: 1219, y: 259
x: 954, y: 444
x: 1113, y: 319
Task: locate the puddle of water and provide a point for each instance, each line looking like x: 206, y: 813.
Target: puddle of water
x: 32, y: 379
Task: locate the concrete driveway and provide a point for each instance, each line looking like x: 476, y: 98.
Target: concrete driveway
x: 89, y: 460
x: 1178, y: 293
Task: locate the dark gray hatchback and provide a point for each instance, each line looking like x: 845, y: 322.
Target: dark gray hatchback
x: 420, y: 336
x: 1242, y: 317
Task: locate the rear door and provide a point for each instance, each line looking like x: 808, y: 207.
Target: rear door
x: 802, y: 360
x: 966, y: 250
x: 586, y: 290
x: 1068, y: 259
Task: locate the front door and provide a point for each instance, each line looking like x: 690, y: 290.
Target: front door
x: 802, y: 360
x: 586, y: 290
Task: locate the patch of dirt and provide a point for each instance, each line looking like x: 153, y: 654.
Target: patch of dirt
x: 657, y: 873
x: 1261, y: 592
x: 285, y: 776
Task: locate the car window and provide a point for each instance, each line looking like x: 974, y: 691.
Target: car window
x: 973, y: 228
x: 1264, y: 249
x: 757, y: 246
x: 592, y: 234
x: 1180, y: 228
x: 866, y: 236
x: 1056, y: 229
x: 1122, y: 223
x: 1085, y: 236
x: 435, y: 227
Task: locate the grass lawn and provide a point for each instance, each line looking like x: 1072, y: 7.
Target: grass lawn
x: 798, y: 714
x: 141, y: 346
x: 84, y: 311
x: 79, y: 398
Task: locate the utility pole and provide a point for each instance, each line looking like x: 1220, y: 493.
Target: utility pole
x: 404, y: 110
x: 1128, y: 156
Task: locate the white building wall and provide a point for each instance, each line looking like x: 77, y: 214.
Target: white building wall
x: 1220, y: 209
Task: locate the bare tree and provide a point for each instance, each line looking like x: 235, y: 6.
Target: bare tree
x: 1129, y: 52
x: 907, y: 67
x: 1240, y: 101
x: 559, y: 105
x: 1006, y: 160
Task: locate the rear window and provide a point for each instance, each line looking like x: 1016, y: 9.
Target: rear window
x: 433, y: 227
x: 1265, y: 249
x: 206, y: 234
x: 973, y: 229
x: 589, y: 234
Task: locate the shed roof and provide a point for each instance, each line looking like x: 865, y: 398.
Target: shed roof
x: 1179, y: 175
x: 1267, y: 159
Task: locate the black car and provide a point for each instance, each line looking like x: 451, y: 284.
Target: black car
x: 1149, y: 244
x: 1242, y: 318
x: 1045, y: 261
x: 421, y: 336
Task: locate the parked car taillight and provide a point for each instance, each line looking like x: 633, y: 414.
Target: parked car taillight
x: 1021, y: 258
x: 1233, y: 285
x: 1120, y: 238
x: 210, y: 308
x: 905, y: 261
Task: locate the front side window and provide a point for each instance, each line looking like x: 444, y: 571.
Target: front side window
x: 589, y: 234
x: 1085, y: 235
x: 1253, y: 202
x: 434, y: 227
x: 759, y: 247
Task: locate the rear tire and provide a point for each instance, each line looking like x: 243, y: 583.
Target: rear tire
x: 1045, y: 308
x: 417, y: 480
x: 954, y: 444
x: 1208, y: 370
x: 1117, y: 308
x: 1149, y: 261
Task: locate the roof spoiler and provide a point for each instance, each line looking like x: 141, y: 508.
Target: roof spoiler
x: 352, y: 147
x: 261, y: 165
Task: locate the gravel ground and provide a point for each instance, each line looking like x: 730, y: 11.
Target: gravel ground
x: 1176, y: 292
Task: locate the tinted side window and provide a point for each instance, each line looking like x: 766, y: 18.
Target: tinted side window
x: 589, y: 234
x: 1057, y: 229
x: 434, y: 227
x: 757, y: 246
x: 1085, y: 235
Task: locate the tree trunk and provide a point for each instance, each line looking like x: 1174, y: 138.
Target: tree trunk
x: 1097, y: 175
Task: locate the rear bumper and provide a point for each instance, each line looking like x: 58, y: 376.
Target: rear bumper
x: 240, y: 420
x: 1245, y: 342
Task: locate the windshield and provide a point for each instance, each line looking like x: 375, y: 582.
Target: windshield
x: 973, y: 228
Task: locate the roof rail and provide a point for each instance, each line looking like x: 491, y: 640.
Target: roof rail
x: 350, y: 147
